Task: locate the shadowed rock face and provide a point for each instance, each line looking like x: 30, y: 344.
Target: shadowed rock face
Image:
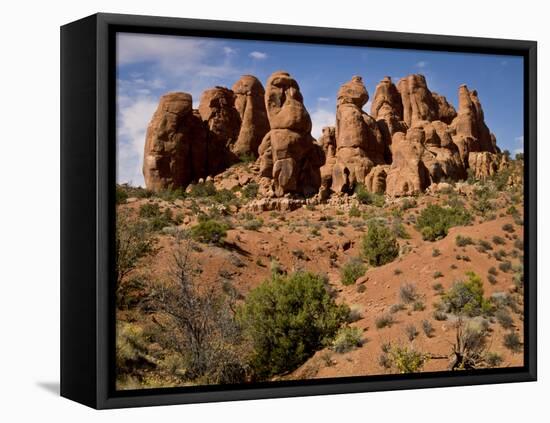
x: 175, y: 145
x: 249, y: 102
x: 217, y: 110
x: 359, y: 142
x: 288, y: 153
x: 445, y: 111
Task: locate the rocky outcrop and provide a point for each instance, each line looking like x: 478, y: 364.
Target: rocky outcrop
x: 413, y: 139
x: 484, y: 164
x: 175, y: 147
x: 375, y: 181
x: 218, y: 112
x: 288, y: 153
x: 359, y: 141
x: 387, y: 109
x: 249, y: 102
x: 426, y: 154
x: 418, y: 102
x: 470, y: 133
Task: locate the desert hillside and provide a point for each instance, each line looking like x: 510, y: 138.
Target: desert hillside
x: 393, y: 244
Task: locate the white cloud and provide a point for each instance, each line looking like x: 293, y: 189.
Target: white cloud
x: 323, y: 99
x: 134, y: 115
x: 422, y: 64
x: 321, y: 118
x: 229, y: 51
x: 519, y: 140
x: 258, y: 55
x: 518, y: 151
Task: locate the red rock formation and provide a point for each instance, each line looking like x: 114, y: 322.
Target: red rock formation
x: 249, y: 102
x: 387, y: 109
x: 288, y: 153
x: 445, y: 111
x: 359, y: 141
x: 175, y: 145
x: 470, y: 133
x: 418, y: 102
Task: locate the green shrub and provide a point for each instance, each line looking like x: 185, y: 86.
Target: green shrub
x: 497, y: 240
x: 436, y: 252
x: 435, y: 221
x: 121, y: 195
x: 149, y: 210
x: 288, y: 318
x: 503, y: 317
x: 491, y: 278
x: 209, y: 231
x: 463, y: 241
x: 250, y: 191
x: 206, y: 189
x: 253, y: 224
x: 508, y: 227
x: 493, y: 359
x: 438, y: 287
x: 367, y: 197
x: 437, y: 274
x: 347, y: 339
x: 484, y: 246
x: 493, y: 271
x: 352, y: 270
x: 512, y: 342
x: 379, y: 245
x: 354, y: 212
x: 407, y: 360
x: 467, y: 297
x: 505, y: 266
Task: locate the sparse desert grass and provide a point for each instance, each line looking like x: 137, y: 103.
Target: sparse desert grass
x: 439, y: 315
x: 411, y: 332
x: 361, y: 288
x: 436, y: 252
x: 395, y: 308
x: 397, y: 271
x: 437, y: 274
x: 492, y: 280
x: 428, y: 328
x: 384, y: 320
x: 408, y: 293
x: 492, y: 271
x: 418, y: 306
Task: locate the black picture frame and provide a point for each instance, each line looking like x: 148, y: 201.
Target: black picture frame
x: 88, y: 198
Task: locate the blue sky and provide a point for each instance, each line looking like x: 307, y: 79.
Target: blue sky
x: 151, y: 65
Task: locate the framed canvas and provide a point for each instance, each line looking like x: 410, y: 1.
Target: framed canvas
x: 258, y: 211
